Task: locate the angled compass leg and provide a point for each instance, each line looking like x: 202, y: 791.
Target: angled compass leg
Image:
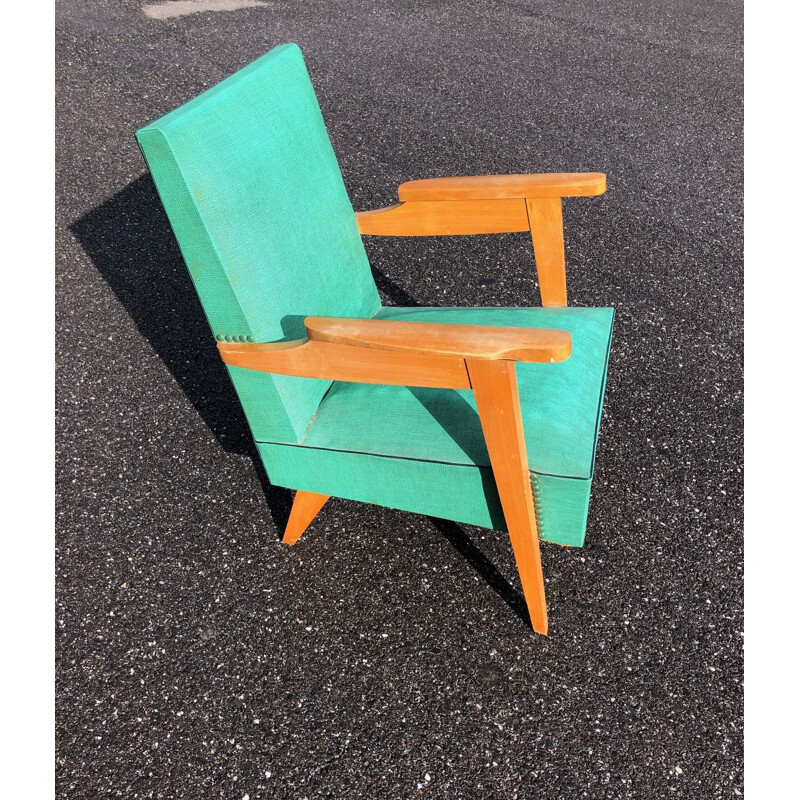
x: 497, y: 397
x: 306, y: 506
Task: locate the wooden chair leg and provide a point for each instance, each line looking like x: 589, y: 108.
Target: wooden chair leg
x: 306, y: 506
x: 497, y: 397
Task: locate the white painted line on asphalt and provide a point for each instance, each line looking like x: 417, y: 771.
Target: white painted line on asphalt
x: 180, y: 8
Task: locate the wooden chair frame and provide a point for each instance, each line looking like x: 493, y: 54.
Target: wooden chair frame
x: 477, y: 357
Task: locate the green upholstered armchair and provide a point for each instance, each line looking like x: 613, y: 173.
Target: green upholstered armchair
x: 487, y: 416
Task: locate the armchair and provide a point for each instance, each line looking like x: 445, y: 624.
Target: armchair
x: 487, y: 416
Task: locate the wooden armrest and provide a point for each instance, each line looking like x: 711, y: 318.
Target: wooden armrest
x: 504, y: 187
x: 444, y: 339
x: 491, y: 204
x: 475, y: 204
x: 397, y: 353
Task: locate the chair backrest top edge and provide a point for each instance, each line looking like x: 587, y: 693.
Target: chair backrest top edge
x: 213, y: 92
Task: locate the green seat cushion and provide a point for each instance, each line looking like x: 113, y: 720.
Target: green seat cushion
x: 561, y: 403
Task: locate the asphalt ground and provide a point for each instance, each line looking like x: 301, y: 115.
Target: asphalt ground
x: 386, y: 655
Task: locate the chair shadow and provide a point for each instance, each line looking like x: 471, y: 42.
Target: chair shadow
x: 455, y: 534
x: 395, y: 292
x: 131, y: 243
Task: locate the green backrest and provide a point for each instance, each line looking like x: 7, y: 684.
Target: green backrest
x: 251, y: 186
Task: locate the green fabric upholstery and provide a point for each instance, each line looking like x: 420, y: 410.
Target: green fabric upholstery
x: 253, y: 191
x: 451, y: 491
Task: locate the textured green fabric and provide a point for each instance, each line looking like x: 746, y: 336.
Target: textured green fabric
x: 560, y: 402
x: 452, y: 491
x: 254, y: 194
x: 562, y: 508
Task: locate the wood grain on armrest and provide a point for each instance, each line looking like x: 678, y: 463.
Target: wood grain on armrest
x: 445, y: 339
x: 495, y: 187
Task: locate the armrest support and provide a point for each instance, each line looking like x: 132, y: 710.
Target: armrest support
x: 498, y: 187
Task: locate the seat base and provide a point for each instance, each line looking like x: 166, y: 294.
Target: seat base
x: 465, y: 494
x: 423, y: 450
